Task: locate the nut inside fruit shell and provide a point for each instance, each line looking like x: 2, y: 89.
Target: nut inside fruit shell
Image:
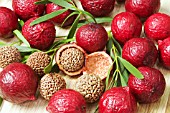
x: 70, y: 59
x: 98, y: 63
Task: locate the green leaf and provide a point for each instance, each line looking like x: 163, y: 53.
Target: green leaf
x: 73, y: 13
x: 24, y: 59
x: 133, y: 70
x: 63, y: 3
x: 90, y: 15
x: 1, y: 101
x: 108, y: 77
x: 47, y: 16
x: 64, y: 41
x: 48, y: 68
x: 119, y: 48
x: 112, y: 54
x: 103, y: 19
x: 21, y: 37
x: 99, y: 20
x: 73, y: 27
x: 69, y: 1
x: 123, y: 71
x: 25, y: 49
x: 109, y: 45
x: 21, y: 22
x: 41, y: 2
x: 2, y: 44
x: 122, y: 80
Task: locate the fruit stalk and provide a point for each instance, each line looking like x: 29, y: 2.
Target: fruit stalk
x: 1, y: 100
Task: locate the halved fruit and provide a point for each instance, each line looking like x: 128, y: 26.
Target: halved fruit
x: 98, y: 63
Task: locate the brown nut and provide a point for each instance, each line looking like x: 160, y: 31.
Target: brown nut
x: 90, y: 86
x: 38, y: 61
x: 50, y: 83
x: 70, y: 59
x: 9, y: 54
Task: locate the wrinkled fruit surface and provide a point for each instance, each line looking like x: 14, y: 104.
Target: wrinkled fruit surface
x: 125, y: 26
x: 18, y: 83
x: 51, y: 7
x: 40, y: 36
x: 8, y: 22
x: 98, y: 7
x: 142, y: 8
x: 92, y: 37
x: 149, y: 89
x: 140, y: 52
x: 157, y: 26
x: 164, y: 52
x: 26, y: 9
x: 117, y: 100
x: 67, y: 101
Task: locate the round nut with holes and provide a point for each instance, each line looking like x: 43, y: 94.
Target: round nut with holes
x: 98, y: 63
x: 50, y: 83
x: 8, y: 55
x: 38, y: 61
x: 90, y: 86
x: 70, y: 59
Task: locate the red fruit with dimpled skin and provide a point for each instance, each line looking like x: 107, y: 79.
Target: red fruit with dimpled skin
x: 157, y: 26
x: 149, y: 89
x: 27, y: 9
x: 8, y: 22
x: 98, y: 7
x: 40, y: 36
x: 164, y: 52
x: 67, y: 101
x: 125, y: 26
x: 117, y: 100
x: 140, y: 52
x: 142, y: 8
x: 51, y: 7
x: 91, y: 37
x: 18, y: 83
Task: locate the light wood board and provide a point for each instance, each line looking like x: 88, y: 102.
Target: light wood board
x: 39, y: 106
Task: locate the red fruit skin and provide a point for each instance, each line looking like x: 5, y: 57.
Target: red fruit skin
x: 40, y: 36
x: 157, y: 26
x: 149, y: 89
x: 142, y: 8
x: 140, y: 52
x: 18, y: 83
x: 125, y: 26
x: 27, y: 9
x: 91, y: 37
x: 51, y: 7
x: 164, y: 52
x: 8, y: 22
x: 67, y: 101
x: 117, y: 100
x: 98, y: 7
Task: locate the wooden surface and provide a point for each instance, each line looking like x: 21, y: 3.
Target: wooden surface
x: 38, y: 106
